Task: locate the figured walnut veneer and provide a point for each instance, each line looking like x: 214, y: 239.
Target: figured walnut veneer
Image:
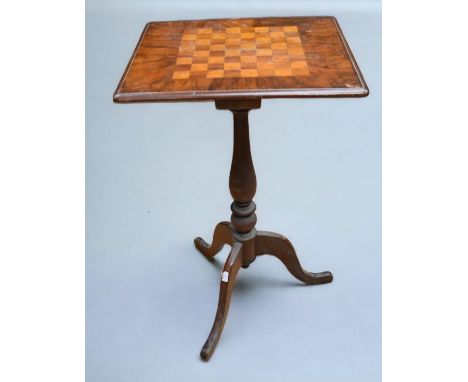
x: 239, y: 59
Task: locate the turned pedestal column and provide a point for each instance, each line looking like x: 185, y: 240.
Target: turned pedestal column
x: 240, y: 233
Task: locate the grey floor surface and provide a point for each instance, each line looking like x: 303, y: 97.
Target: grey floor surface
x: 156, y: 177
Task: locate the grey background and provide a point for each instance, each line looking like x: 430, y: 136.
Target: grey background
x: 156, y: 177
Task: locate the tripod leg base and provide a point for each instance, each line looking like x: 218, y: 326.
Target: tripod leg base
x: 228, y: 278
x: 222, y: 235
x: 270, y: 243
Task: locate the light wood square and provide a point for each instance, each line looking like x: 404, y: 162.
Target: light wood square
x: 300, y: 72
x: 199, y: 67
x: 233, y: 52
x: 180, y: 75
x: 248, y: 46
x: 293, y: 39
x: 281, y: 59
x: 283, y: 72
x: 295, y: 51
x: 248, y: 58
x: 277, y: 34
x: 217, y: 47
x: 249, y: 73
x: 202, y: 42
x: 265, y: 65
x: 201, y: 53
x: 266, y: 40
x: 231, y: 41
x: 215, y: 74
x: 187, y: 48
x: 264, y: 52
x: 216, y: 60
x: 247, y: 35
x: 231, y: 65
x: 298, y: 64
x: 189, y: 37
x: 266, y: 72
x: 183, y: 60
x: 265, y: 59
x: 218, y: 35
x: 279, y: 45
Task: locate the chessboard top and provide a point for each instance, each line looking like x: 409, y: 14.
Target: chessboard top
x: 241, y: 59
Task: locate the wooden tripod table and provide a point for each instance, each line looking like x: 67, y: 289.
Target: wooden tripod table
x: 236, y: 63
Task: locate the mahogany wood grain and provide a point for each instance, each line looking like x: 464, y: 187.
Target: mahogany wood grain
x: 221, y: 236
x: 274, y: 244
x: 241, y: 233
x: 241, y: 58
x: 228, y: 278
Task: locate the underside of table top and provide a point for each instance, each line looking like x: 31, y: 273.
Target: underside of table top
x: 249, y: 58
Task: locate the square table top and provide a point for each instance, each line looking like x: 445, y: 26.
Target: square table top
x: 249, y: 58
